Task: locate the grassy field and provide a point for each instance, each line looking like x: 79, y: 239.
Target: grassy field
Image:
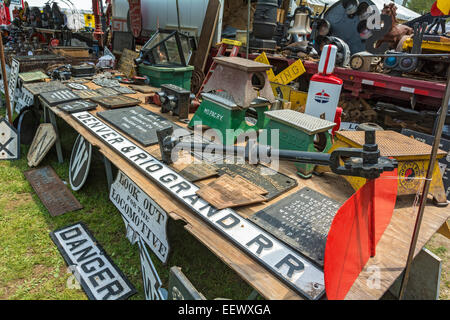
x: 32, y: 268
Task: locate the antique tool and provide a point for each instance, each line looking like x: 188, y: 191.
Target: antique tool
x: 298, y: 131
x: 175, y: 99
x: 364, y: 162
x: 412, y: 157
x: 221, y: 113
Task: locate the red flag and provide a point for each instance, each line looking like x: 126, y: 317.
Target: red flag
x: 354, y: 234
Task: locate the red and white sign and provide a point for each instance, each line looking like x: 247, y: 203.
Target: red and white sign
x: 324, y: 88
x: 135, y: 17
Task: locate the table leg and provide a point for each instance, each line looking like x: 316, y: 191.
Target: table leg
x: 108, y: 169
x: 253, y: 296
x: 52, y: 117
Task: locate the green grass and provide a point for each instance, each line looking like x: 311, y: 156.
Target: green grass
x: 31, y: 266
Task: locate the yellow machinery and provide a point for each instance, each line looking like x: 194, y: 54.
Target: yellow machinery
x: 412, y: 156
x: 434, y: 44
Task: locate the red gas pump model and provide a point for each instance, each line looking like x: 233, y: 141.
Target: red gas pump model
x: 324, y: 88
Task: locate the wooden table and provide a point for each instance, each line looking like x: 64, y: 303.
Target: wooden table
x: 392, y: 249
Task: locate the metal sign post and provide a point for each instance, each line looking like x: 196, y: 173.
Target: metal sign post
x: 426, y: 186
x: 5, y: 81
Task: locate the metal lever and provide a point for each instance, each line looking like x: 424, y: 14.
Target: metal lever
x: 366, y: 162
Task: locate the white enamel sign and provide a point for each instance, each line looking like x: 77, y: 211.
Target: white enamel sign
x: 287, y: 264
x: 100, y: 278
x: 25, y: 98
x: 12, y: 80
x: 152, y: 282
x: 143, y: 217
x: 9, y: 141
x: 43, y: 141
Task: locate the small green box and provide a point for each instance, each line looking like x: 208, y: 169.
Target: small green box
x: 179, y: 76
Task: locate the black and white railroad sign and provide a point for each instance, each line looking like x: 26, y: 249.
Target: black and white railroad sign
x: 9, y: 141
x: 143, y: 217
x: 80, y: 162
x: 60, y: 96
x: 140, y: 123
x: 444, y: 163
x: 152, y: 283
x: 24, y: 99
x: 12, y: 80
x: 43, y: 141
x: 180, y: 288
x: 284, y: 262
x: 77, y: 106
x: 99, y: 277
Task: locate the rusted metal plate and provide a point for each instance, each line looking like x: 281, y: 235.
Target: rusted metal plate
x: 9, y: 141
x: 88, y: 94
x: 32, y: 76
x: 104, y: 82
x: 126, y: 62
x: 273, y: 182
x: 144, y: 89
x: 302, y: 220
x: 390, y: 143
x: 124, y: 90
x: 41, y: 87
x: 242, y: 64
x: 44, y: 139
x: 225, y: 192
x: 113, y: 102
x: 199, y: 171
x: 53, y: 193
x: 106, y: 92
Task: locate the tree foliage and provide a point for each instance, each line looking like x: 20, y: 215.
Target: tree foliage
x: 420, y: 6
